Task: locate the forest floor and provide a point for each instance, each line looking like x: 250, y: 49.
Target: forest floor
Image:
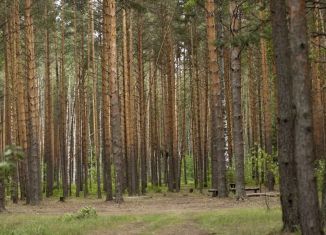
x: 156, y: 213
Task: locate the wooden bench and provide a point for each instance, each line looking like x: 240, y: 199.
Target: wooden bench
x: 213, y: 191
x: 263, y: 194
x: 255, y: 189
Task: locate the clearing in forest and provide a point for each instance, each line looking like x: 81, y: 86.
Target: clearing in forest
x: 164, y: 213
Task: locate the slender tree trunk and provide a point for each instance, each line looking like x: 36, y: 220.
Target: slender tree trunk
x: 106, y: 105
x: 48, y: 114
x: 266, y: 99
x: 77, y: 108
x: 205, y: 125
x: 126, y: 98
x: 2, y: 177
x: 8, y: 75
x: 317, y: 84
x: 158, y: 126
x: 198, y: 120
x: 21, y: 109
x: 92, y: 69
x: 228, y: 102
x: 143, y: 130
x: 236, y: 94
x: 172, y: 135
x: 56, y: 116
x: 63, y: 110
x: 197, y: 153
x: 267, y: 113
x: 194, y: 135
x: 183, y: 134
x: 84, y: 116
x: 14, y: 42
x: 133, y: 110
x: 253, y: 117
x: 152, y: 124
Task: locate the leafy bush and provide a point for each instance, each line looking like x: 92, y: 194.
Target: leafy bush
x: 86, y: 212
x: 83, y: 213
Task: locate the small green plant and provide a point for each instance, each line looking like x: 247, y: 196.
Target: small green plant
x: 83, y: 213
x: 86, y: 212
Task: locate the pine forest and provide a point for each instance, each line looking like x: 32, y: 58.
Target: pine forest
x: 163, y: 117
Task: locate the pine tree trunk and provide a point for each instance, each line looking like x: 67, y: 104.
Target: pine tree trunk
x: 253, y: 117
x: 21, y: 110
x: 267, y: 114
x: 171, y: 116
x: 195, y: 108
x: 2, y: 181
x: 288, y: 182
x: 63, y: 111
x: 317, y: 84
x: 84, y: 117
x: 133, y: 110
x: 217, y: 140
x: 78, y: 142
x: 14, y: 42
x: 92, y: 71
x: 183, y: 128
x: 266, y: 99
x: 56, y: 117
x: 115, y: 114
x: 126, y: 99
x: 48, y: 157
x: 198, y: 119
x: 322, y: 53
x: 236, y: 95
x: 106, y: 106
x: 303, y: 137
x: 152, y: 125
x: 33, y: 110
x: 143, y: 130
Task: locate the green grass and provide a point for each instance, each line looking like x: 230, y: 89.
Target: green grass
x: 241, y: 221
x: 225, y: 221
x: 23, y: 224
